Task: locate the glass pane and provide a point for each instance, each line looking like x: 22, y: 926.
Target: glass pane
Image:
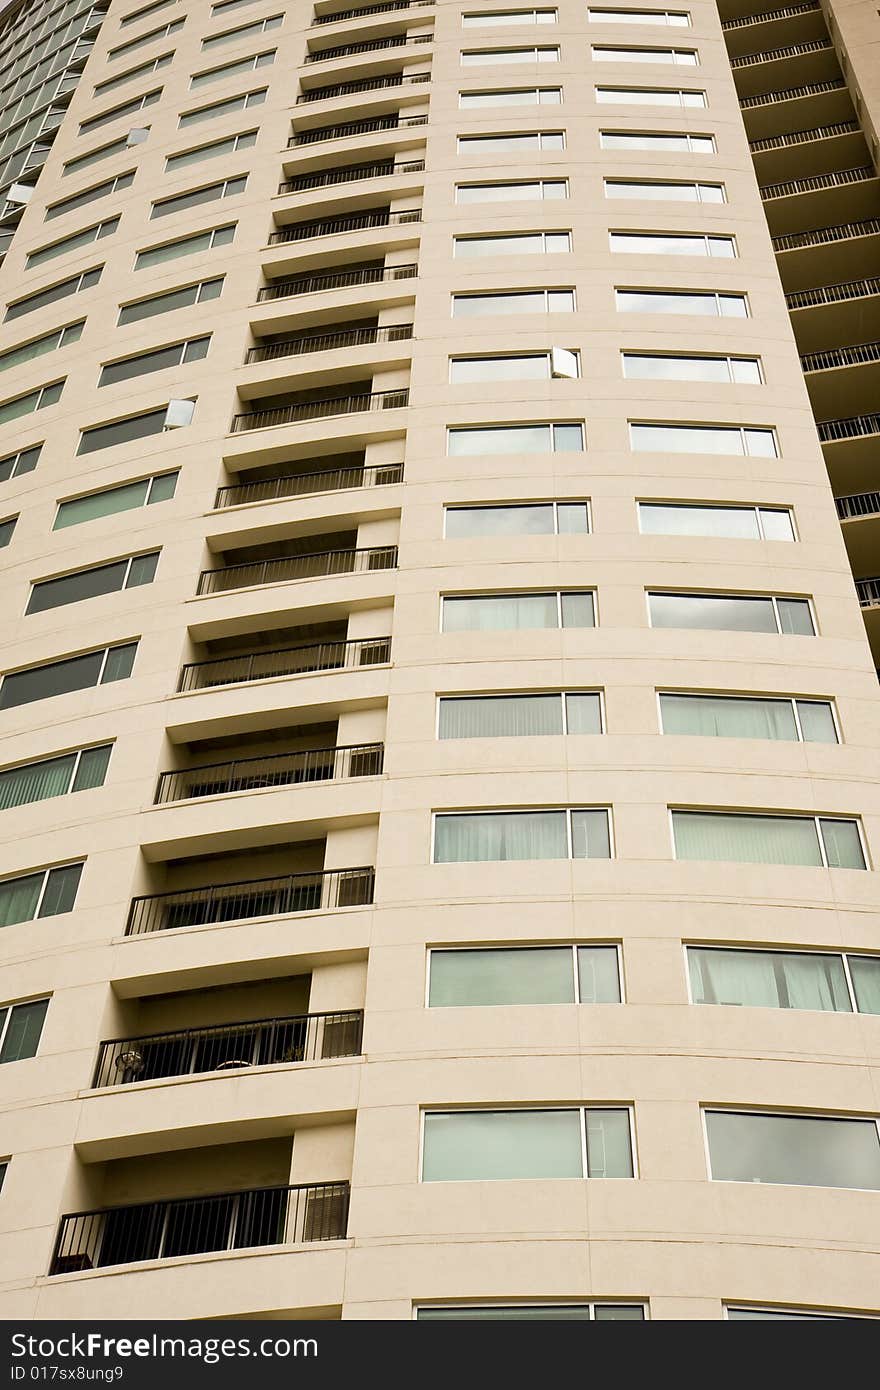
x: 760, y: 443
x: 119, y: 662
x: 548, y: 1312
x: 19, y: 898
x: 560, y: 301
x: 671, y: 519
x: 578, y: 610
x: 711, y: 611
x: 97, y: 504
x: 574, y: 518
x: 487, y: 836
x: 510, y: 439
x: 583, y: 714
x: 666, y: 192
x: 747, y: 370
x: 23, y: 1033
x: 795, y: 617
x: 726, y: 716
x: 687, y: 439
x: 772, y: 979
x: 817, y: 721
x: 465, y: 369
x: 568, y: 439
x: 800, y: 1149
x: 75, y: 588
x: 776, y: 524
x: 161, y: 304
x: 653, y: 367
x: 775, y: 1315
x: 843, y: 848
x: 865, y: 974
x: 502, y: 1144
x: 540, y: 975
x: 122, y: 431
x: 58, y: 678
x: 499, y: 613
x: 92, y: 768
x: 745, y: 839
x: 733, y: 306
x: 500, y: 716
x: 532, y: 520
x: 609, y: 1151
x: 36, y: 781
x: 655, y: 302
x: 142, y: 570
x: 619, y: 1312
x: 598, y: 975
x: 162, y: 488
x: 60, y: 893
x: 590, y: 838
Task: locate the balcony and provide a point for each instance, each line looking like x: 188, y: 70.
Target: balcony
x: 351, y: 222
x: 339, y: 655
x: 859, y: 515
x: 868, y: 591
x: 336, y: 280
x: 166, y: 1230
x: 774, y: 111
x: 844, y: 378
x: 307, y: 484
x: 857, y: 505
x: 771, y: 16
x: 352, y: 50
x: 822, y: 253
x: 340, y: 16
x: 351, y: 173
x: 283, y: 896
x: 853, y: 427
x: 850, y: 444
x: 261, y: 1042
x: 806, y: 153
x: 362, y: 84
x: 851, y: 192
x: 352, y: 128
x: 320, y: 410
x: 328, y: 342
x: 812, y: 61
x: 317, y: 565
x: 277, y: 770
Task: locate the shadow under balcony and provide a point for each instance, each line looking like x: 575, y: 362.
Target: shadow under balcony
x: 835, y: 315
x: 802, y: 154
x: 794, y: 64
x: 843, y: 378
x: 851, y: 445
x: 859, y: 515
x: 826, y: 255
x: 784, y: 108
x: 773, y: 27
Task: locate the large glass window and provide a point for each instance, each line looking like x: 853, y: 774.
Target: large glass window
x: 251, y: 64
x: 45, y: 893
x: 98, y: 667
x: 230, y: 145
x: 185, y: 246
x: 518, y: 519
x: 76, y: 283
x: 518, y: 366
x: 227, y: 188
x: 26, y: 405
x: 804, y: 1150
x: 677, y: 57
x: 175, y: 355
x: 673, y: 366
x: 665, y: 190
x: 85, y: 161
x: 527, y: 1312
x: 78, y: 771
x: 702, y: 519
x: 514, y: 96
x: 679, y: 19
x: 748, y: 716
x: 122, y: 431
x: 465, y: 306
x: 124, y: 498
x: 743, y: 1314
x: 864, y: 972
x: 672, y: 244
x: 129, y: 573
x: 244, y: 31
x: 38, y: 347
x: 164, y: 31
x: 656, y: 140
x: 520, y: 716
x: 649, y: 96
x: 516, y: 142
x: 706, y: 303
x: 199, y: 293
x: 768, y: 979
x: 25, y: 461
x: 135, y: 15
x: 480, y: 19
x: 732, y: 613
x: 20, y: 1028
x: 523, y: 191
x: 515, y: 439
x: 132, y: 74
x: 7, y: 527
x: 116, y: 113
x: 753, y: 441
x: 90, y: 195
x: 222, y: 108
x: 72, y: 243
x: 517, y: 612
x: 499, y: 1145
x: 742, y: 838
x: 482, y: 57
x: 483, y: 976
x: 484, y: 836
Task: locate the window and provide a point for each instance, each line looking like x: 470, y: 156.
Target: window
x: 517, y: 142
x: 91, y: 195
x: 26, y: 405
x: 707, y: 303
x: 63, y: 290
x: 230, y: 145
x: 124, y: 498
x: 185, y: 246
x: 669, y: 366
x: 515, y: 439
x: 697, y: 519
x: 480, y: 1145
x: 125, y: 430
x: 679, y: 57
x: 85, y: 161
x: 656, y: 140
x: 739, y: 838
x: 227, y: 188
x: 516, y: 96
x: 116, y: 113
x: 672, y: 244
x: 244, y: 31
x: 775, y: 1314
x: 520, y: 715
x: 482, y: 57
x: 524, y: 190
x: 750, y: 441
x: 465, y: 306
x: 25, y: 461
x: 38, y: 347
x: 175, y: 355
x: 256, y: 60
x: 6, y: 529
x: 145, y: 10
x: 20, y: 1029
x: 480, y: 19
x: 519, y: 366
x: 480, y: 837
x: 163, y: 32
x: 748, y: 716
x: 480, y: 976
x: 132, y: 75
x: 668, y: 190
x: 78, y: 585
x: 4, y: 1164
x: 78, y: 771
x: 518, y: 519
x: 201, y: 292
x: 72, y: 243
x: 222, y: 108
x: 675, y: 18
x: 520, y: 1312
x: 803, y: 1150
x: 732, y: 613
x: 45, y: 893
x: 649, y: 96
x: 780, y: 979
x: 513, y: 244
x: 227, y: 6
x: 512, y: 612
x: 98, y: 667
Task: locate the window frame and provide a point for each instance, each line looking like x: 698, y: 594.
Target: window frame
x: 539, y: 183
x: 598, y: 691
x: 127, y: 560
x: 573, y: 946
x: 623, y: 10
x: 842, y: 955
x: 535, y: 50
x: 249, y: 30
x: 566, y: 810
x: 792, y: 700
x: 237, y: 68
x: 591, y: 1304
x: 510, y: 92
x: 546, y: 354
x: 529, y: 15
x: 60, y: 247
x: 653, y: 49
x: 458, y: 295
x: 614, y: 180
x: 168, y: 205
x: 658, y: 291
x: 210, y: 232
x: 558, y: 594
x: 680, y: 92
x: 201, y: 114
x: 815, y: 820
x: 683, y: 504
x: 197, y: 285
x: 737, y: 593
x: 148, y: 478
x: 796, y: 1310
x: 115, y: 113
x: 647, y: 234
x: 659, y: 135
x: 76, y: 280
x: 76, y: 753
x: 41, y: 896
x: 183, y: 346
x: 706, y: 1108
x: 554, y: 502
x: 582, y: 1108
x: 120, y: 79
x: 730, y: 430
x: 468, y: 145
x: 62, y: 660
x: 550, y: 425
x: 665, y: 356
x: 211, y: 149
x: 8, y: 1009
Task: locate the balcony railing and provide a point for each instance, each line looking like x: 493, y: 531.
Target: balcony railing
x: 201, y: 1225
x: 352, y: 222
x: 278, y: 770
x: 241, y: 902
x: 858, y: 504
x: 362, y: 84
x: 339, y: 16
x: 285, y: 661
x: 335, y: 280
x: 769, y: 16
x: 868, y: 591
x: 304, y: 484
x: 353, y: 173
x: 824, y: 236
x: 855, y: 356
x: 808, y: 89
x: 320, y: 410
x: 833, y: 294
x: 850, y: 427
x: 320, y: 564
x: 840, y: 178
x: 349, y: 128
x: 804, y: 137
x: 263, y: 1042
x: 349, y: 50
x: 326, y: 342
x: 773, y: 55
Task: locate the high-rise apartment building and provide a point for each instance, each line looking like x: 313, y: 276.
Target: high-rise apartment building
x: 439, y: 789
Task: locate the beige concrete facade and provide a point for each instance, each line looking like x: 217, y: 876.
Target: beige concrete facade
x: 671, y: 1238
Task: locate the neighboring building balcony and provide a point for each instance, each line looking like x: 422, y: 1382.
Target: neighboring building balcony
x: 388, y: 7
x: 771, y: 16
x: 868, y: 591
x: 350, y: 173
x: 859, y: 515
x: 851, y: 448
x: 796, y: 64
x: 844, y: 378
x: 282, y: 896
x: 359, y: 86
x: 277, y: 770
x: 259, y: 665
x: 350, y: 129
x: 823, y: 254
x: 253, y: 1043
x: 805, y: 153
x: 308, y: 484
x: 853, y: 193
x: 860, y: 504
x: 364, y: 46
x: 320, y: 410
x: 255, y: 1217
x: 835, y: 313
x: 774, y: 110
